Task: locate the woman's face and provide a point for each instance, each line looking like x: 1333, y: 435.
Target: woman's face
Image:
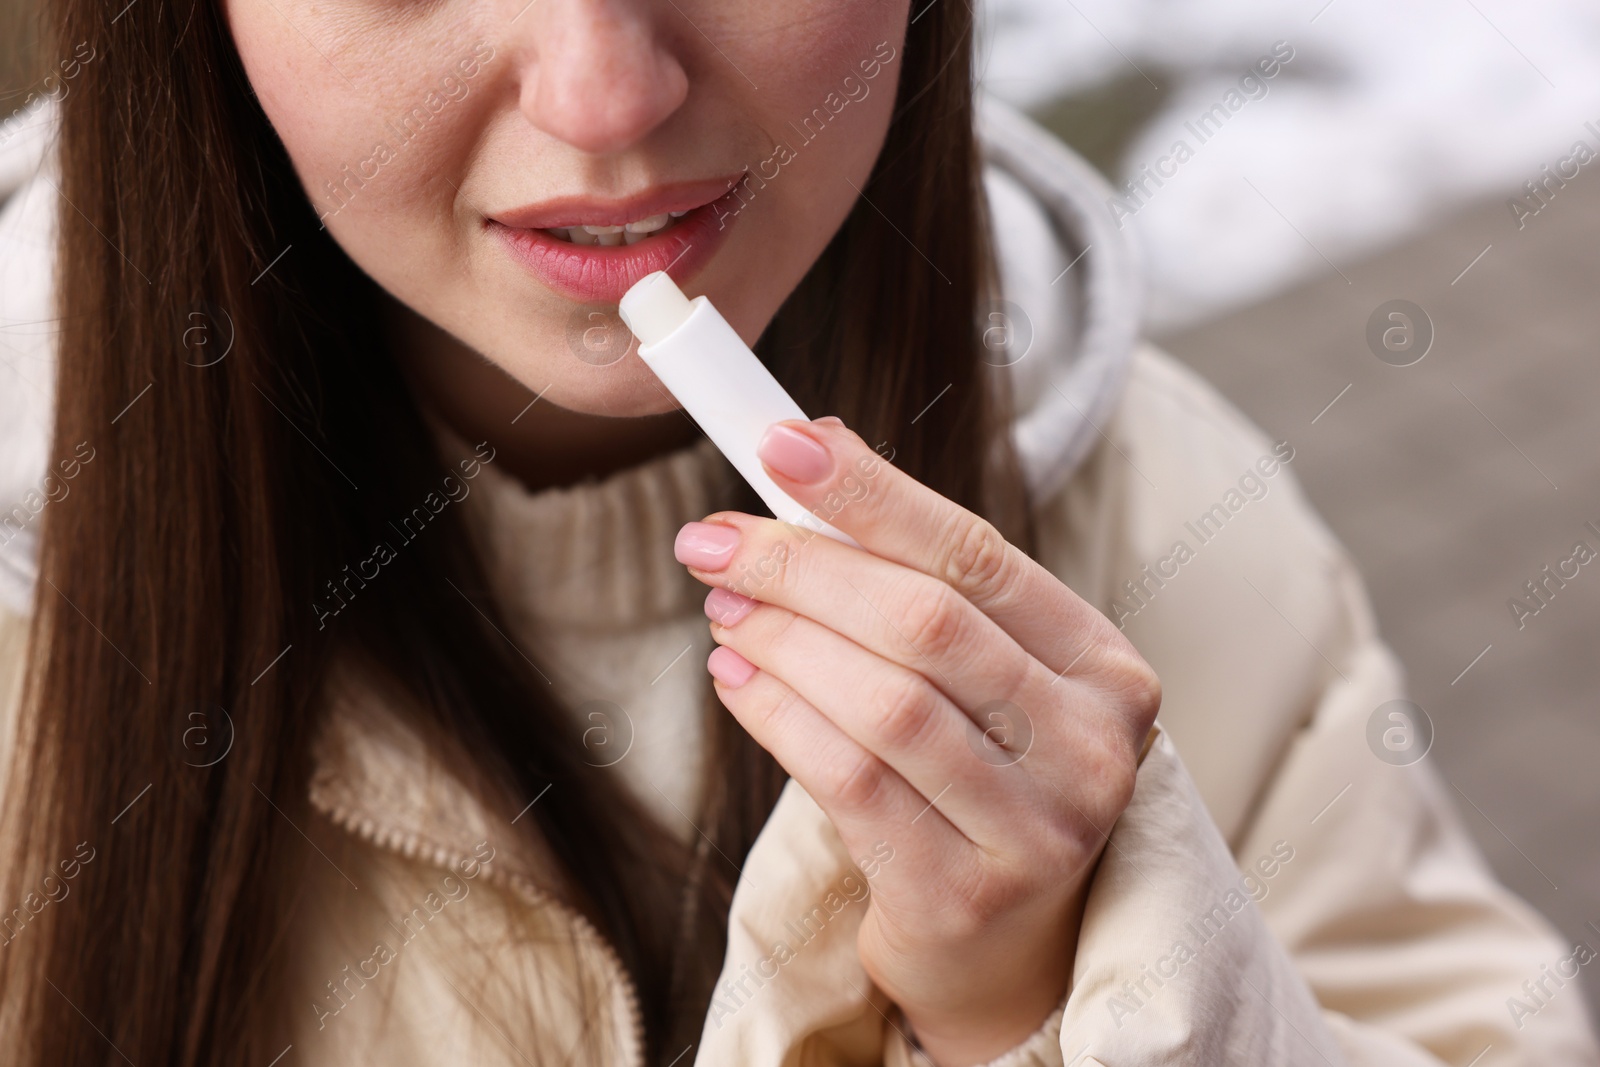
x: 456, y: 149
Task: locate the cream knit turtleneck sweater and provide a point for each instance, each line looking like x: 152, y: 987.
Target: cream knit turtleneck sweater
x: 596, y: 601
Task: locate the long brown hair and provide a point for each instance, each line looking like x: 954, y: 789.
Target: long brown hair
x: 178, y: 575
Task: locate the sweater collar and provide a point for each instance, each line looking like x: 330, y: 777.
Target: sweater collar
x: 596, y: 555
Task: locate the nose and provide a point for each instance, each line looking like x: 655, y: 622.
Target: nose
x: 599, y: 76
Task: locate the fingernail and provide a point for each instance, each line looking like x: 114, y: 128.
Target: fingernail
x: 794, y: 455
x: 726, y: 607
x: 831, y: 419
x: 706, y: 545
x: 728, y: 667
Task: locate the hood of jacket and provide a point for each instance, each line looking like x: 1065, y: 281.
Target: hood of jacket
x: 1065, y: 328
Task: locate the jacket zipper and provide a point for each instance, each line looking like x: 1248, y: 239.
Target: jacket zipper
x: 413, y: 847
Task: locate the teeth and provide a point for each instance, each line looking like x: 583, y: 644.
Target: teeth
x: 611, y: 236
x: 649, y: 225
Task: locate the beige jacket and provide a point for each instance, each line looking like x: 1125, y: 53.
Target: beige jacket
x: 1279, y: 894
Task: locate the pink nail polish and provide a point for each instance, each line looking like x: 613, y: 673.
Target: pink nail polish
x: 832, y: 420
x: 794, y: 455
x: 727, y: 607
x: 706, y: 545
x: 728, y: 667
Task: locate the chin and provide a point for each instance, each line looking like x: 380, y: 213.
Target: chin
x: 625, y: 390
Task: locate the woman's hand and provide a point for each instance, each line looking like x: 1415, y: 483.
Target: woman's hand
x: 941, y: 692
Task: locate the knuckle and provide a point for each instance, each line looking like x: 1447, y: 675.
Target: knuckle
x: 1149, y: 694
x: 995, y: 894
x: 1138, y: 687
x: 933, y: 619
x: 903, y: 710
x: 855, y: 784
x: 778, y: 626
x: 1131, y: 687
x: 771, y: 563
x: 780, y: 709
x: 977, y: 553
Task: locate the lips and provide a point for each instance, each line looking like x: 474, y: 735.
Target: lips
x: 600, y: 273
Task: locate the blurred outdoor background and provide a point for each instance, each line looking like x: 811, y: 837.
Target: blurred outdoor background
x: 1382, y: 163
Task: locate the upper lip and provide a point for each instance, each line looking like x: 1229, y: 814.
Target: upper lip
x: 566, y: 211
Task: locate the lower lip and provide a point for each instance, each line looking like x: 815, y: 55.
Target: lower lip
x: 600, y: 274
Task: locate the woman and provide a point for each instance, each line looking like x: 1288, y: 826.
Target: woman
x: 359, y: 718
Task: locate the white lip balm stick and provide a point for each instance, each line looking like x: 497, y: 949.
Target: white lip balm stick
x: 723, y: 385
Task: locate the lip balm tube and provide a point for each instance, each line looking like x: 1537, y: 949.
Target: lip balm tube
x: 723, y: 385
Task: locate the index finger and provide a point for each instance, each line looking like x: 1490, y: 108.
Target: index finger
x: 832, y: 472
